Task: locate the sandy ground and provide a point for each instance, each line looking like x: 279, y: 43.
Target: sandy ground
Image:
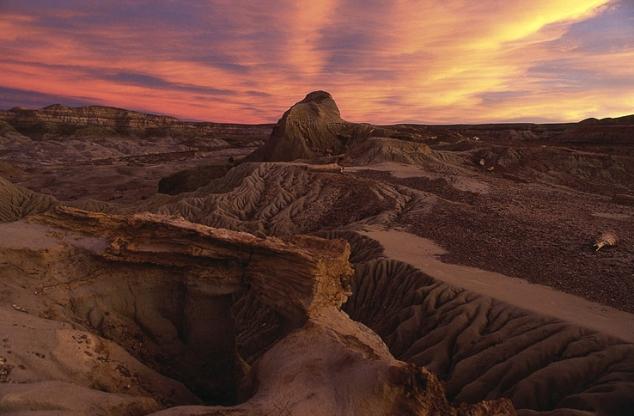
x: 425, y: 255
x: 25, y: 235
x: 535, y: 231
x: 403, y: 171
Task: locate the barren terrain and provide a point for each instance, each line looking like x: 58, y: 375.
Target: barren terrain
x: 199, y: 265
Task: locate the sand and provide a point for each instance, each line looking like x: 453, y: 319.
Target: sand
x: 424, y: 254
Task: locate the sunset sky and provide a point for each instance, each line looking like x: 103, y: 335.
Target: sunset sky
x: 386, y: 61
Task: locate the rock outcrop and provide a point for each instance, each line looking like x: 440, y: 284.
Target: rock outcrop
x: 383, y: 149
x: 133, y: 314
x: 311, y: 128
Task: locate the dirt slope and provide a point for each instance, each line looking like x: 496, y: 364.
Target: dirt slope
x: 17, y: 202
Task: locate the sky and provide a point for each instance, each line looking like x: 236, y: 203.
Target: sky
x: 420, y: 61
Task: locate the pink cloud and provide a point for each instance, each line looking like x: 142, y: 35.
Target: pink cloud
x: 384, y: 62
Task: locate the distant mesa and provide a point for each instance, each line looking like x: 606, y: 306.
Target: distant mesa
x: 58, y: 120
x: 627, y: 120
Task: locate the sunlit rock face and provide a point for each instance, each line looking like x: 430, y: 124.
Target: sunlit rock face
x: 131, y: 314
x: 311, y: 128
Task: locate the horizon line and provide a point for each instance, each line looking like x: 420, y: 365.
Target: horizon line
x: 401, y: 122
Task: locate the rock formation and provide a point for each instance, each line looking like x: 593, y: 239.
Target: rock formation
x: 133, y: 314
x: 382, y: 149
x: 278, y: 199
x: 311, y: 128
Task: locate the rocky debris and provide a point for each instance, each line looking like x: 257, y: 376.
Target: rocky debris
x: 86, y: 257
x: 595, y: 172
x: 18, y: 308
x: 5, y: 370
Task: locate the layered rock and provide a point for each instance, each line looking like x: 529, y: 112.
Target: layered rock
x: 295, y: 276
x: 131, y: 314
x: 311, y: 128
x: 59, y: 120
x: 111, y: 154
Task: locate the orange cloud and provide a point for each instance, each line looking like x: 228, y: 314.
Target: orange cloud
x: 385, y: 62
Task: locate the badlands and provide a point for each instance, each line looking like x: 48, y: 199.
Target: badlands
x: 314, y: 267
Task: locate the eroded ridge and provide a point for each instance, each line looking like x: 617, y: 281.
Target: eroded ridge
x: 18, y: 202
x: 486, y: 349
x: 285, y: 199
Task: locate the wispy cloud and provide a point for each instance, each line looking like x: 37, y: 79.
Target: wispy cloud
x: 11, y: 97
x: 239, y: 60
